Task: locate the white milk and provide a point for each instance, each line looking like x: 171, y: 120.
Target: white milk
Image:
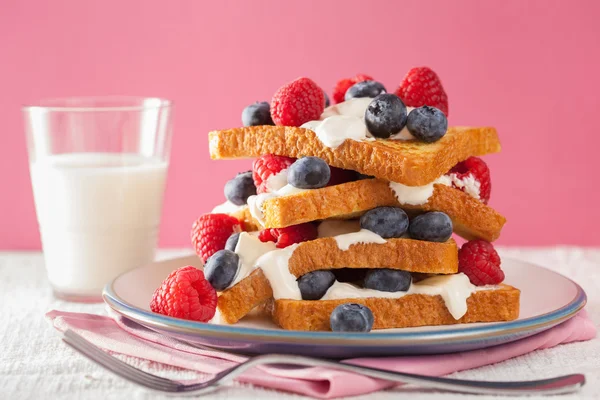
x: 98, y: 214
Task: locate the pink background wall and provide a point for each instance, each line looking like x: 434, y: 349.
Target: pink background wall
x: 530, y: 68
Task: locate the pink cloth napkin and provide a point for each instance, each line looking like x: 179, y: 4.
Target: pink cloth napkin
x: 123, y: 336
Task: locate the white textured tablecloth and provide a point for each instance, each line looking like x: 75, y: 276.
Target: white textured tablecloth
x: 35, y: 364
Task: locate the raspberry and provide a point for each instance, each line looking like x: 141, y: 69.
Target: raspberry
x: 210, y: 233
x: 267, y: 165
x: 297, y: 102
x: 478, y: 169
x: 480, y: 262
x: 185, y: 294
x: 339, y: 91
x: 267, y: 236
x: 285, y: 237
x: 339, y: 176
x: 422, y: 87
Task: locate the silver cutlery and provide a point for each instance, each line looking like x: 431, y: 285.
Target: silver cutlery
x: 559, y: 385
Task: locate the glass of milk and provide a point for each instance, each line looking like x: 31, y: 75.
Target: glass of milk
x: 98, y: 169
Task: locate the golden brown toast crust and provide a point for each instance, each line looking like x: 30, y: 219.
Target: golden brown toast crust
x: 405, y: 254
x: 471, y: 218
x: 412, y: 163
x: 249, y: 224
x: 501, y: 304
x: 237, y: 301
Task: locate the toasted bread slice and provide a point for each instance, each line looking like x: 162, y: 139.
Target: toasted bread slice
x: 405, y: 254
x: 411, y: 163
x: 501, y: 304
x: 249, y: 224
x: 237, y: 301
x: 471, y: 218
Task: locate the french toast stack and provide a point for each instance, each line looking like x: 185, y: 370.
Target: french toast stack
x: 345, y: 221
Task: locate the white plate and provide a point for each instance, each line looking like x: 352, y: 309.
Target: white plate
x: 547, y: 299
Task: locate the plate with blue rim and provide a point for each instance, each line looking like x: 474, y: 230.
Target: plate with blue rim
x: 547, y: 299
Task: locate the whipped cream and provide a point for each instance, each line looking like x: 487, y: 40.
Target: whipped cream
x: 277, y: 181
x: 278, y: 185
x: 227, y: 208
x: 249, y: 248
x: 332, y: 227
x: 416, y: 195
x: 355, y: 107
x: 255, y: 204
x: 335, y: 130
x: 363, y: 236
x: 346, y: 120
x: 470, y: 185
x: 275, y: 266
x: 404, y: 134
x: 217, y: 318
x: 454, y: 290
x: 288, y: 190
x: 344, y: 290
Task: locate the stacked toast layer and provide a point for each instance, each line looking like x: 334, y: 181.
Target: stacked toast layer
x: 249, y: 224
x: 411, y: 163
x: 470, y: 217
x: 404, y: 254
x: 237, y: 301
x: 501, y: 304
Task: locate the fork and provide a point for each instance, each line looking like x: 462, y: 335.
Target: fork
x: 558, y: 385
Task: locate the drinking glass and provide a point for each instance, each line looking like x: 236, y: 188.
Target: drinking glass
x: 98, y: 168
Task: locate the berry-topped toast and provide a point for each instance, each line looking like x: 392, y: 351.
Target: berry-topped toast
x: 345, y: 221
x: 471, y: 217
x: 410, y: 162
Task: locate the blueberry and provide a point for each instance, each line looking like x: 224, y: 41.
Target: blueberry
x: 221, y: 268
x: 258, y: 113
x: 364, y: 89
x: 387, y: 280
x: 327, y: 101
x: 349, y: 274
x: 385, y: 115
x: 387, y: 222
x: 309, y: 173
x: 351, y: 317
x: 314, y: 285
x: 427, y: 124
x: 432, y: 226
x: 232, y: 241
x: 238, y: 189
